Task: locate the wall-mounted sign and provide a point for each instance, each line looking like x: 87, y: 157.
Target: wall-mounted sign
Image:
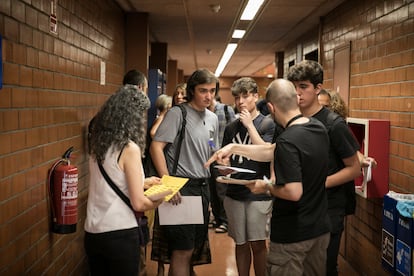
x: 103, y: 71
x: 53, y: 16
x: 1, y: 63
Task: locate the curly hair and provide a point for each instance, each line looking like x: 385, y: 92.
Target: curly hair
x: 120, y: 120
x: 306, y: 70
x: 337, y: 104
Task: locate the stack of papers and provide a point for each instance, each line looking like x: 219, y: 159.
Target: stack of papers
x: 170, y: 185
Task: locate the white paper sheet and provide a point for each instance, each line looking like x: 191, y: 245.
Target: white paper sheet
x: 368, y: 173
x: 190, y: 211
x: 234, y: 169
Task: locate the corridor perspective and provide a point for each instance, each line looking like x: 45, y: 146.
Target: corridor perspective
x: 63, y: 60
x: 224, y: 262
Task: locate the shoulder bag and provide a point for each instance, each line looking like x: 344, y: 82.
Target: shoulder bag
x: 142, y: 220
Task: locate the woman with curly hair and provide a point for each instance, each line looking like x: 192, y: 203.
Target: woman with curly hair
x: 117, y: 141
x: 338, y: 105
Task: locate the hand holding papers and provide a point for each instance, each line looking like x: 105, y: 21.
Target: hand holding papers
x: 169, y: 186
x: 367, y: 171
x: 232, y: 170
x: 157, y: 192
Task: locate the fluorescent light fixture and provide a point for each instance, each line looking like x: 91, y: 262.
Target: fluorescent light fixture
x: 238, y: 33
x: 231, y: 47
x: 251, y: 9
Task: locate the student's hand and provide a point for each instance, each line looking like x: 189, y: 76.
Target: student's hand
x: 157, y: 203
x: 246, y: 119
x: 258, y: 187
x: 176, y: 199
x: 222, y: 156
x: 151, y: 181
x: 369, y: 160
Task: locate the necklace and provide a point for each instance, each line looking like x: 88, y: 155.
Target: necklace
x: 201, y: 114
x: 293, y: 119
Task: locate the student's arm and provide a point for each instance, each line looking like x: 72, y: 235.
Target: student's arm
x: 160, y: 164
x: 366, y: 161
x: 130, y: 164
x: 291, y: 191
x: 261, y: 153
x: 351, y: 171
x: 155, y: 126
x: 158, y: 158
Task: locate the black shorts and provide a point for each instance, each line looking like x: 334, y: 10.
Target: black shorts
x: 190, y: 236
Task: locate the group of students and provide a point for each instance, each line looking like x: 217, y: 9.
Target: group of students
x: 304, y: 162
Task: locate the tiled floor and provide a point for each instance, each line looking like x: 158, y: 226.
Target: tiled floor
x: 223, y: 260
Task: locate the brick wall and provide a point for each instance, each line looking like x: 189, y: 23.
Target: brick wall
x: 51, y: 89
x: 381, y: 87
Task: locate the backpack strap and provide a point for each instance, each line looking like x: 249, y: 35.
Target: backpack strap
x: 181, y: 137
x: 226, y: 113
x: 330, y: 119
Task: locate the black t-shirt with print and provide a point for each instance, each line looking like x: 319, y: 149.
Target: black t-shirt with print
x: 235, y: 132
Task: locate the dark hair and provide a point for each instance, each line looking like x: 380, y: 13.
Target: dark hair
x: 306, y: 70
x: 262, y: 107
x: 200, y: 76
x: 120, y: 120
x: 243, y: 86
x: 134, y: 77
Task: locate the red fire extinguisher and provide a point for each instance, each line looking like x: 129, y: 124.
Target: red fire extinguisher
x: 63, y: 193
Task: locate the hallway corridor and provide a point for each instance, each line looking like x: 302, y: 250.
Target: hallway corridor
x: 224, y: 262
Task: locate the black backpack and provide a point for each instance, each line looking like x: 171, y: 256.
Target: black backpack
x: 149, y: 167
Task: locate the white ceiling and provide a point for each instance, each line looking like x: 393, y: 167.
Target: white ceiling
x: 196, y: 36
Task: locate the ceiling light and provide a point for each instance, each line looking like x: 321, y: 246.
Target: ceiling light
x: 231, y: 47
x: 251, y: 9
x: 238, y: 33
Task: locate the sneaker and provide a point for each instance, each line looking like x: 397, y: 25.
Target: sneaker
x: 221, y: 229
x: 212, y: 224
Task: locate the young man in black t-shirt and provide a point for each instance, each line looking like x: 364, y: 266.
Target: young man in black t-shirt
x: 344, y: 165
